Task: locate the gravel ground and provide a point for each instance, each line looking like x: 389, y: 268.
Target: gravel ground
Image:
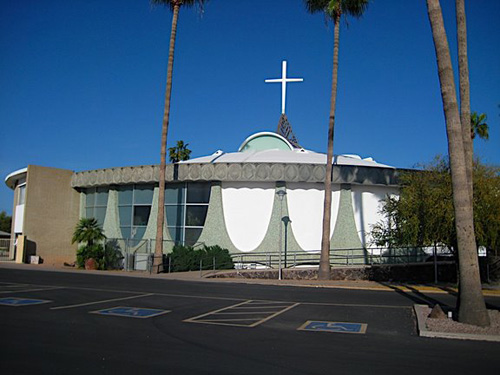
x: 452, y: 326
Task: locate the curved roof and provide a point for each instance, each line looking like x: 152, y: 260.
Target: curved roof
x: 11, y: 179
x: 295, y: 156
x: 265, y: 141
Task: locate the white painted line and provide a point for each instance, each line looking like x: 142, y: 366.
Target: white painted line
x: 254, y: 302
x: 30, y: 290
x: 274, y: 315
x: 14, y: 285
x: 214, y: 312
x: 225, y: 311
x: 246, y: 313
x: 354, y: 305
x: 262, y: 307
x: 98, y: 302
x: 216, y: 323
x: 225, y: 320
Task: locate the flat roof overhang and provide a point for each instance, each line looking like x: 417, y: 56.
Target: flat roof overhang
x: 12, y: 178
x: 244, y: 172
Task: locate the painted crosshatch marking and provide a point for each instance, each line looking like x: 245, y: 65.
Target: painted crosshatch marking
x: 131, y: 312
x: 245, y: 314
x: 16, y: 301
x: 341, y: 327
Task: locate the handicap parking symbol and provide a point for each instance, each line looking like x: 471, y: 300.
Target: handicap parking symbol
x: 341, y: 327
x: 16, y: 301
x: 132, y: 312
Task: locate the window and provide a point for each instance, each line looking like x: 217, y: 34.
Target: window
x: 22, y: 195
x: 96, y: 200
x: 186, y: 207
x: 134, y: 208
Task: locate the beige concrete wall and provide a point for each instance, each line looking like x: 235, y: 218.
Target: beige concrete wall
x: 12, y: 252
x: 51, y: 214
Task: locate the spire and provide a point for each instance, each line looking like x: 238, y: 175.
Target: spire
x: 285, y: 129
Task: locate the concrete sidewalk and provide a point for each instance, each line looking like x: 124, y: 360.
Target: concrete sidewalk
x: 197, y: 276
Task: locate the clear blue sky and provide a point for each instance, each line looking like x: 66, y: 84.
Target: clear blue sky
x: 82, y: 81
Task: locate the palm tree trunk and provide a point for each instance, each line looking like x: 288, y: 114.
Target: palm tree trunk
x: 324, y: 262
x: 471, y: 309
x: 166, y: 115
x: 464, y: 88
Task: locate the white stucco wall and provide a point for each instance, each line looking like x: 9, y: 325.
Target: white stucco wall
x: 366, y: 201
x: 247, y: 211
x: 305, y: 207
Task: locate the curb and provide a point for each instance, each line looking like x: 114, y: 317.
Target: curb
x: 421, y: 314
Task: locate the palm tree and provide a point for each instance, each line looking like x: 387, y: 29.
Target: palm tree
x: 174, y: 6
x: 478, y: 126
x: 179, y: 152
x: 464, y: 87
x: 88, y: 230
x: 471, y: 306
x: 333, y: 10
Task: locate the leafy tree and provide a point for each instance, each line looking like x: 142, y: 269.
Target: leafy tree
x: 179, y: 152
x: 333, y: 10
x: 174, y: 6
x: 422, y: 214
x: 5, y: 222
x: 487, y: 207
x: 471, y: 305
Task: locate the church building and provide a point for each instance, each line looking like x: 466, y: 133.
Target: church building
x: 244, y: 201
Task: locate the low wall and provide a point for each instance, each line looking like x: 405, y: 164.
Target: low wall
x: 418, y: 272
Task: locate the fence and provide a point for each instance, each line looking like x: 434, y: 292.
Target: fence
x: 341, y: 257
x: 137, y: 255
x: 4, y: 248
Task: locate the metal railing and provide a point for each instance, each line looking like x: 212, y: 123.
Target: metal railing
x: 340, y: 257
x: 138, y: 255
x: 4, y: 248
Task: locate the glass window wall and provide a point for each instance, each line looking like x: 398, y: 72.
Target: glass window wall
x: 134, y: 209
x: 186, y: 207
x: 96, y: 200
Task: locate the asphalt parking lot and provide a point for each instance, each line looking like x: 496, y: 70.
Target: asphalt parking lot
x: 110, y: 324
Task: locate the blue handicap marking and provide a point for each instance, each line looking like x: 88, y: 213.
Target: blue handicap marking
x: 16, y: 301
x: 334, y: 327
x: 131, y: 312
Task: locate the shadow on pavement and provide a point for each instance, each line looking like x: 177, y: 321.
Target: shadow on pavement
x: 415, y: 295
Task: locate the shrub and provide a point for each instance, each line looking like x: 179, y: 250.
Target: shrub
x: 186, y: 258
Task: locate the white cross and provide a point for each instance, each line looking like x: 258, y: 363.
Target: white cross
x: 283, y: 81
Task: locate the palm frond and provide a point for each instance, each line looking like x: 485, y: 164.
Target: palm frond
x: 334, y: 8
x: 186, y: 3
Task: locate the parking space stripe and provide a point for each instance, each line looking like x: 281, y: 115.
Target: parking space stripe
x: 215, y: 311
x: 194, y: 296
x: 256, y: 317
x: 274, y: 315
x: 245, y: 313
x: 261, y: 307
x: 102, y: 301
x: 29, y: 290
x: 227, y: 320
